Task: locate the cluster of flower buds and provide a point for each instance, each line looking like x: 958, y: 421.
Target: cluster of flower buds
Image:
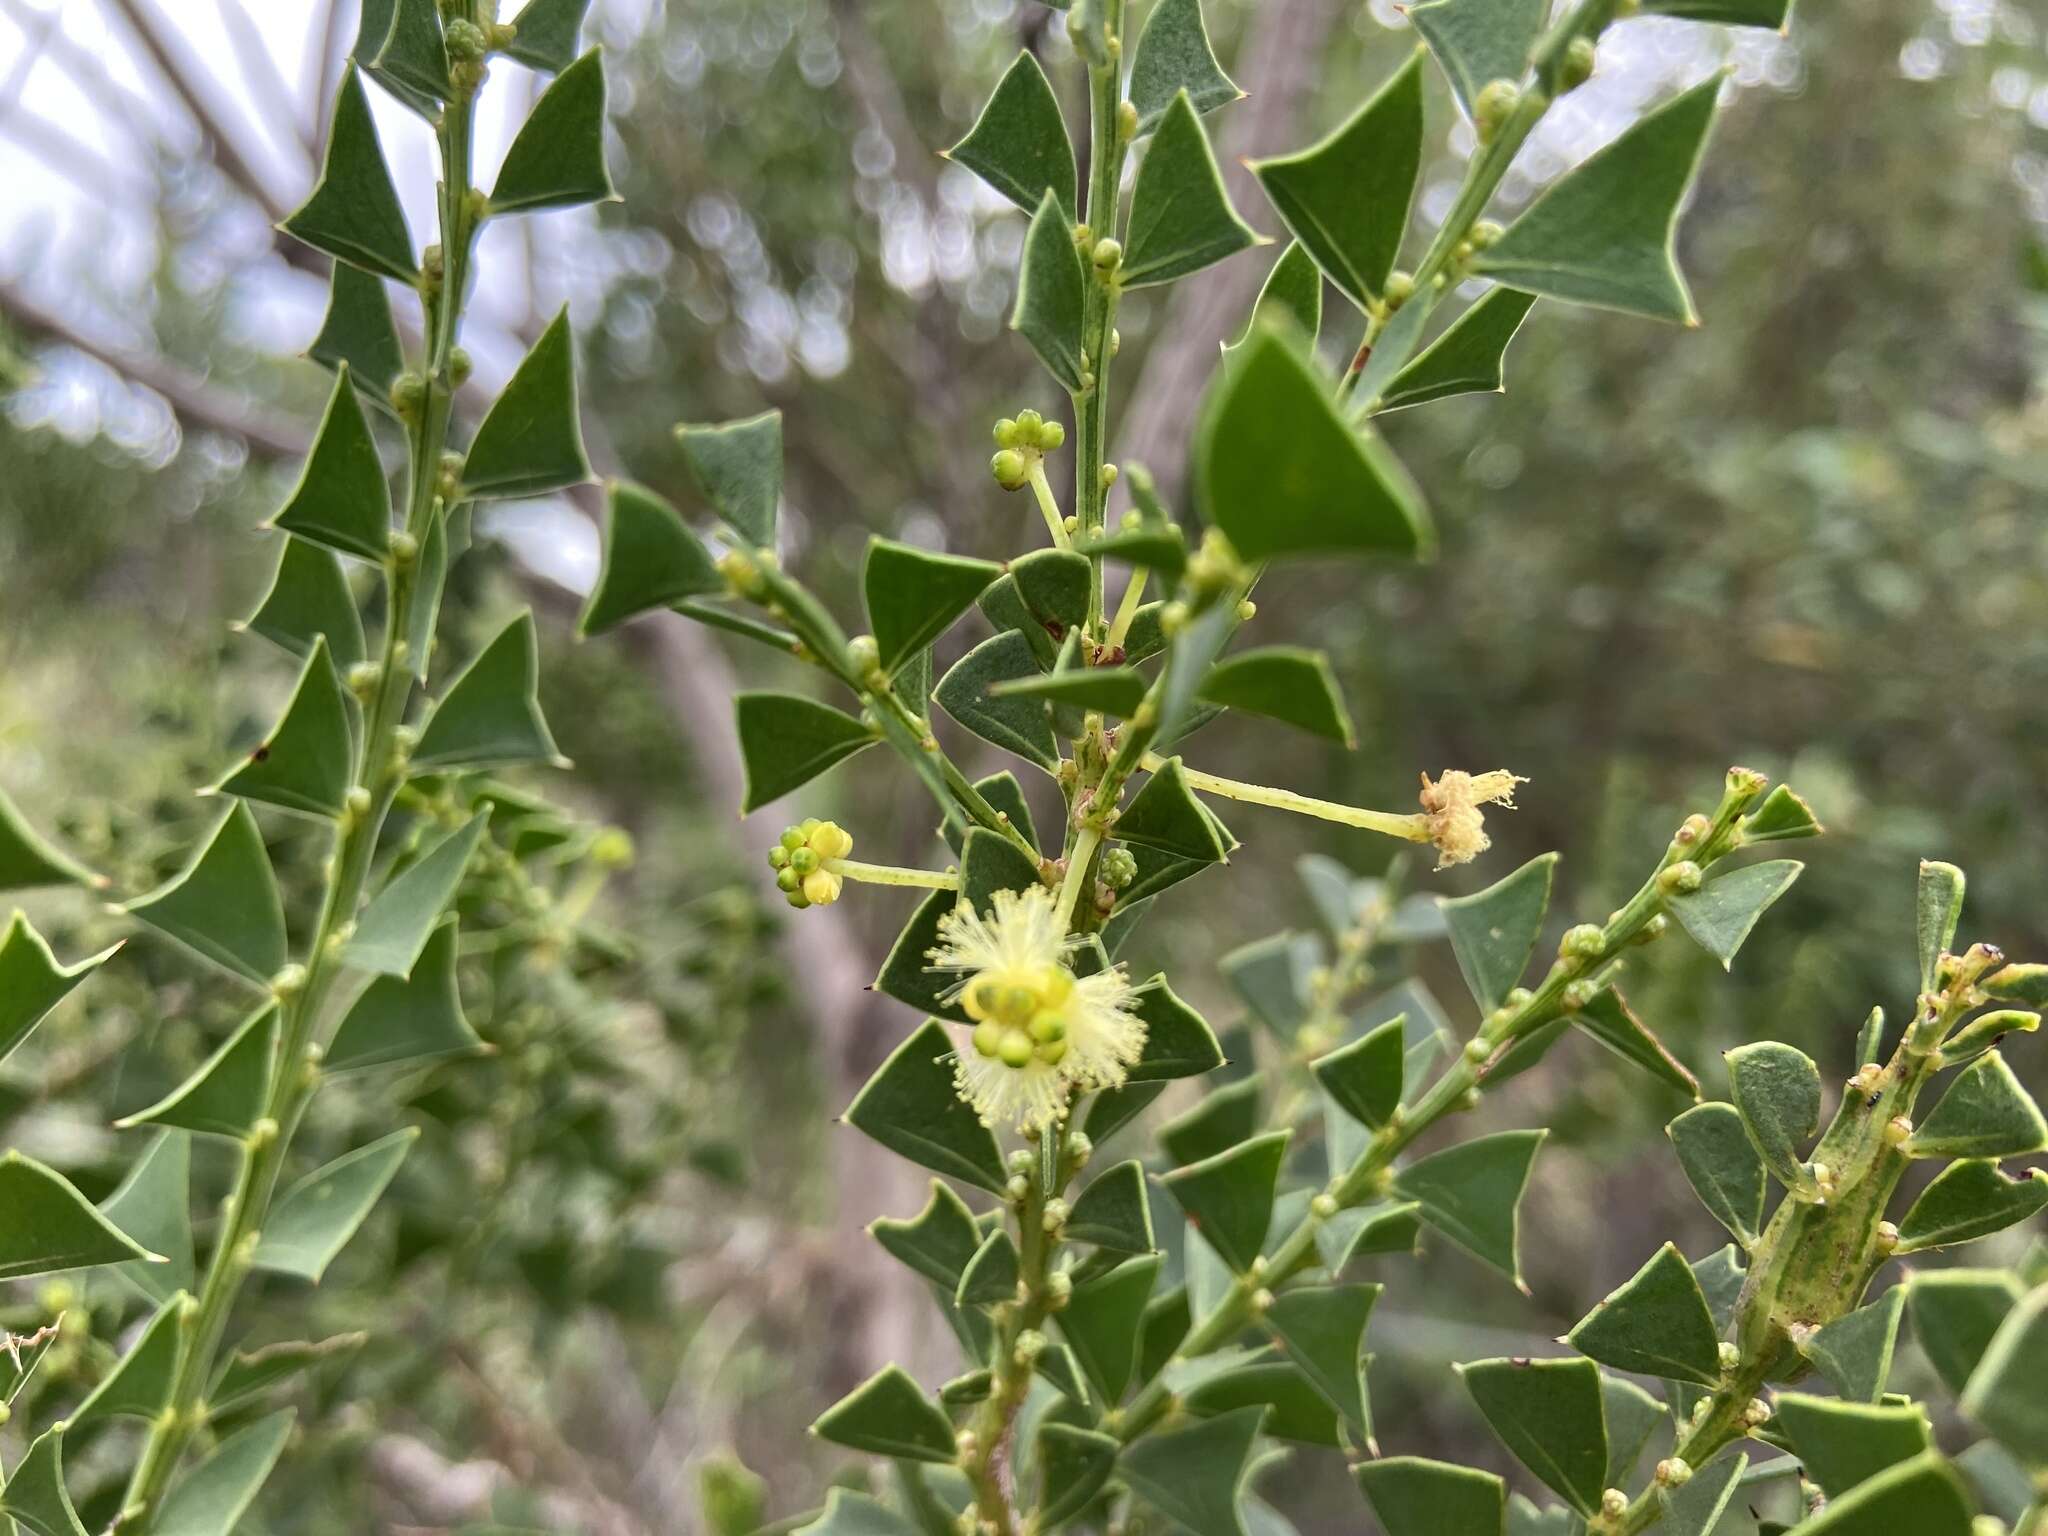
x: 802, y: 860
x: 1021, y: 443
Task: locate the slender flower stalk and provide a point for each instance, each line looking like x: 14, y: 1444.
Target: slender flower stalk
x: 1127, y: 608
x: 891, y: 874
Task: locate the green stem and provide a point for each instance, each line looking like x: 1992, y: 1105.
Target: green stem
x: 1370, y: 1174
x: 1127, y: 610
x: 379, y: 771
x: 1049, y: 507
x: 1409, y: 826
x: 1102, y: 215
x: 892, y: 874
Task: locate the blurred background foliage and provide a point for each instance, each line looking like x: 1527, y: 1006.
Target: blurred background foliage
x: 1806, y: 537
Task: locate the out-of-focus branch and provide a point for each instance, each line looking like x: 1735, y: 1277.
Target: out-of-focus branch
x: 1277, y: 72
x: 189, y: 83
x: 193, y: 399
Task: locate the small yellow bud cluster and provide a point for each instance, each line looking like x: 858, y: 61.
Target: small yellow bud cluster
x: 802, y: 860
x: 1021, y: 443
x: 1493, y: 106
x: 1018, y: 1016
x: 1214, y: 567
x: 1119, y: 867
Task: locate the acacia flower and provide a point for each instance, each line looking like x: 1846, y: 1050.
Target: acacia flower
x: 1040, y: 1032
x: 1456, y: 824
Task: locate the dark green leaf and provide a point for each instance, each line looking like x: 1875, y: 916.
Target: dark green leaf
x: 1984, y: 1113
x: 1196, y: 1475
x: 990, y: 862
x: 152, y: 1206
x: 650, y: 560
x: 1783, y: 817
x: 1361, y: 1231
x: 1019, y: 145
x: 1178, y: 1040
x: 1074, y: 1465
x: 1156, y: 547
x: 1610, y: 1020
x: 1655, y: 1325
x: 412, y: 60
x: 403, y: 1021
x: 1165, y: 815
x: 914, y: 595
x: 531, y: 440
x: 1956, y: 1313
x: 1181, y: 218
x: 1101, y: 1323
x: 1295, y: 1409
x: 557, y: 158
x: 1603, y: 235
x: 28, y: 860
x: 1549, y: 1413
x: 1280, y: 473
x: 1174, y: 55
x: 1016, y: 725
x: 1113, y: 1212
x: 1468, y: 358
x: 357, y: 333
x: 907, y: 975
x: 218, y: 1492
x: 1416, y: 1497
x: 1322, y: 1328
x: 1292, y: 296
x: 1696, y: 1506
x: 1479, y: 41
x: 911, y: 1108
x: 140, y: 1383
x: 1050, y: 289
x: 1723, y: 1167
x: 309, y: 600
x: 1053, y: 586
x: 35, y: 1495
x: 1212, y: 1124
x: 1721, y: 913
x: 314, y: 1219
x: 1970, y: 1199
x: 1842, y: 1444
x: 1230, y: 1196
x: 305, y: 763
x: 1633, y: 1415
x: 224, y: 905
x: 938, y: 1242
x: 1777, y: 1091
x: 1493, y: 932
x: 547, y: 33
x: 1364, y: 1077
x: 1116, y: 691
x: 1922, y: 1495
x: 250, y: 1375
x: 888, y: 1415
x: 393, y: 931
x: 49, y: 1225
x: 1346, y: 199
x: 340, y: 500
x: 32, y: 982
x: 227, y: 1095
x: 354, y: 214
x: 1287, y: 683
x: 786, y: 740
x: 991, y: 1274
x: 1470, y: 1192
x: 2004, y: 1394
x: 1854, y: 1352
x: 738, y: 467
x: 1733, y: 13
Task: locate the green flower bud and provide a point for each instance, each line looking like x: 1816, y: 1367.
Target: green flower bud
x: 1028, y: 423
x: 1173, y: 618
x: 793, y: 838
x: 1485, y: 232
x: 1583, y: 941
x: 1106, y: 476
x: 788, y: 881
x: 1495, y: 103
x: 459, y: 367
x: 1247, y: 610
x: 1006, y: 434
x: 803, y: 861
x: 1055, y: 1215
x: 404, y: 548
x: 1015, y: 1048
x: 1577, y: 66
x: 866, y: 656
x: 408, y: 395
x: 1400, y: 289
x: 1011, y: 469
x: 612, y: 849
x: 464, y: 40
x: 1681, y: 879
x: 1023, y: 1160
x: 1126, y: 121
x: 1051, y: 436
x: 1108, y: 255
x: 778, y: 857
x: 1080, y: 1149
x: 1118, y: 868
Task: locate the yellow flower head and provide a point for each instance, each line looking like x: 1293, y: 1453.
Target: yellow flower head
x: 1040, y: 1033
x: 1456, y: 824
